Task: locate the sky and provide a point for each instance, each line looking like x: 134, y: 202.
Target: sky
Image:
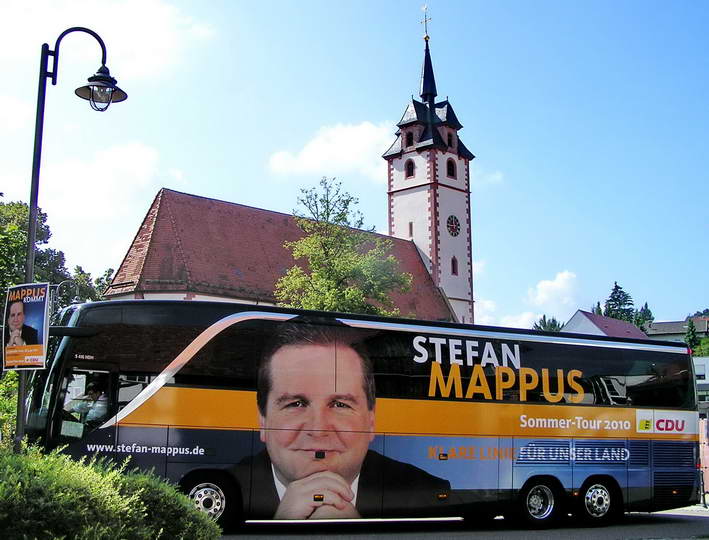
x: 589, y: 122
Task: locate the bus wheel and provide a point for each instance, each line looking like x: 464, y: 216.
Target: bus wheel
x: 539, y: 503
x: 599, y: 502
x: 215, y: 496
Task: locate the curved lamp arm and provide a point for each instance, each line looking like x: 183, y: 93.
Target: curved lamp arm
x: 55, y: 52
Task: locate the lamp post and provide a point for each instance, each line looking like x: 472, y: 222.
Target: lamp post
x: 100, y: 91
x: 55, y: 295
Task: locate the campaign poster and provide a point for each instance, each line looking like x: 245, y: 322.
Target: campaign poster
x: 26, y: 326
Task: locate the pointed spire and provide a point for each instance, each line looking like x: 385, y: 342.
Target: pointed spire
x: 428, y: 81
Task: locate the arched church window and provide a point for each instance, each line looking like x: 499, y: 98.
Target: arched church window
x: 450, y: 168
x: 409, y: 168
x: 454, y: 266
x: 409, y: 139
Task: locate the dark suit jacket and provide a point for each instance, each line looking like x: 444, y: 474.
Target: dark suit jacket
x: 29, y: 335
x: 387, y: 488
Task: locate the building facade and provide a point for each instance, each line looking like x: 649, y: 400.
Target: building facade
x: 429, y: 191
x: 194, y: 248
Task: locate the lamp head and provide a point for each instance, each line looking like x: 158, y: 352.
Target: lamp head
x: 101, y: 90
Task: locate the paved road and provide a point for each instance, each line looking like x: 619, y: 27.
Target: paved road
x: 690, y: 522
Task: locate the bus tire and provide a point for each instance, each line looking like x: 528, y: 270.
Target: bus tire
x: 540, y: 503
x: 599, y: 501
x: 214, y: 494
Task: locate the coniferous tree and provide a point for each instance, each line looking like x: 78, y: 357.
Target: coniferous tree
x: 643, y: 317
x: 597, y: 310
x: 619, y: 305
x: 691, y: 338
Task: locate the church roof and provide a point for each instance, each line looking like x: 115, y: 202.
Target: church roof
x: 189, y: 243
x: 428, y: 81
x: 417, y: 113
x: 446, y: 115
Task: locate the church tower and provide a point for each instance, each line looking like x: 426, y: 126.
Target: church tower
x: 429, y: 192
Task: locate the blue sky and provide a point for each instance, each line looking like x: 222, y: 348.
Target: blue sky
x: 589, y: 121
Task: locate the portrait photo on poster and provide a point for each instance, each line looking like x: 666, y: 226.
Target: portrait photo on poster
x: 319, y: 457
x: 25, y: 326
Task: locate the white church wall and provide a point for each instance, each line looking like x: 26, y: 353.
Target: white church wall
x: 412, y: 206
x: 461, y: 310
x: 399, y: 180
x: 442, y: 164
x: 452, y: 202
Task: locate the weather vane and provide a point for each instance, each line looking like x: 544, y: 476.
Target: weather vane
x: 425, y: 21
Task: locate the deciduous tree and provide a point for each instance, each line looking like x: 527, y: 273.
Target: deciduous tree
x: 344, y: 268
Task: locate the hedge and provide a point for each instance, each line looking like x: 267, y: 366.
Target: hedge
x: 53, y: 496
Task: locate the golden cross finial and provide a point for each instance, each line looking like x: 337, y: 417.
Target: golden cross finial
x: 425, y: 21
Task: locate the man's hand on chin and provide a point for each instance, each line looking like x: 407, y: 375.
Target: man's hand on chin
x: 299, y: 500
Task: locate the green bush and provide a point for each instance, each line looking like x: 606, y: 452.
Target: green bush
x: 8, y: 405
x: 53, y: 496
x: 168, y: 511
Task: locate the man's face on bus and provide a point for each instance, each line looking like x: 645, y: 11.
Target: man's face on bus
x: 316, y: 404
x: 16, y: 316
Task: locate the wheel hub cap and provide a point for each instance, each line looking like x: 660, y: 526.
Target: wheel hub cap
x: 540, y: 502
x: 208, y: 498
x: 597, y: 500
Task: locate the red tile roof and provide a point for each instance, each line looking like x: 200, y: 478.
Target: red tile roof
x: 614, y: 327
x: 189, y: 243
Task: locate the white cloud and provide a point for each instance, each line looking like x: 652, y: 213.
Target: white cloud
x: 15, y: 113
x: 144, y: 38
x: 523, y: 320
x: 556, y: 297
x: 479, y: 268
x: 339, y: 150
x: 96, y: 204
x: 483, y: 179
x: 484, y: 312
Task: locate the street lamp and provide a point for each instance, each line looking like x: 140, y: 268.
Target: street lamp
x: 55, y: 295
x: 100, y: 92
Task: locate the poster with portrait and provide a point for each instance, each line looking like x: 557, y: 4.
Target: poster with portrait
x: 26, y: 326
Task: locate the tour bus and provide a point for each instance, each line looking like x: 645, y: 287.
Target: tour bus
x: 262, y: 413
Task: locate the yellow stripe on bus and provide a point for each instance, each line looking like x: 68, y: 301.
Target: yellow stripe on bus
x: 230, y: 409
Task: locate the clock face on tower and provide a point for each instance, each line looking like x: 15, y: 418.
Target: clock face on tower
x: 453, y: 225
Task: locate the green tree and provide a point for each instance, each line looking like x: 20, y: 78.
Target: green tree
x: 50, y: 264
x: 597, y: 310
x: 703, y: 313
x: 643, y: 317
x: 703, y: 348
x: 548, y: 325
x: 345, y: 268
x: 619, y: 305
x: 690, y: 337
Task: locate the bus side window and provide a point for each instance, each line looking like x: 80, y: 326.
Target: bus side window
x: 659, y: 381
x: 85, y: 401
x: 129, y: 386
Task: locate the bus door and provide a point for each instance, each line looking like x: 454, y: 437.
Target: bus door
x: 85, y: 402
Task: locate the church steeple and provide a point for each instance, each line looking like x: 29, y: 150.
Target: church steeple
x: 429, y: 190
x: 428, y: 81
